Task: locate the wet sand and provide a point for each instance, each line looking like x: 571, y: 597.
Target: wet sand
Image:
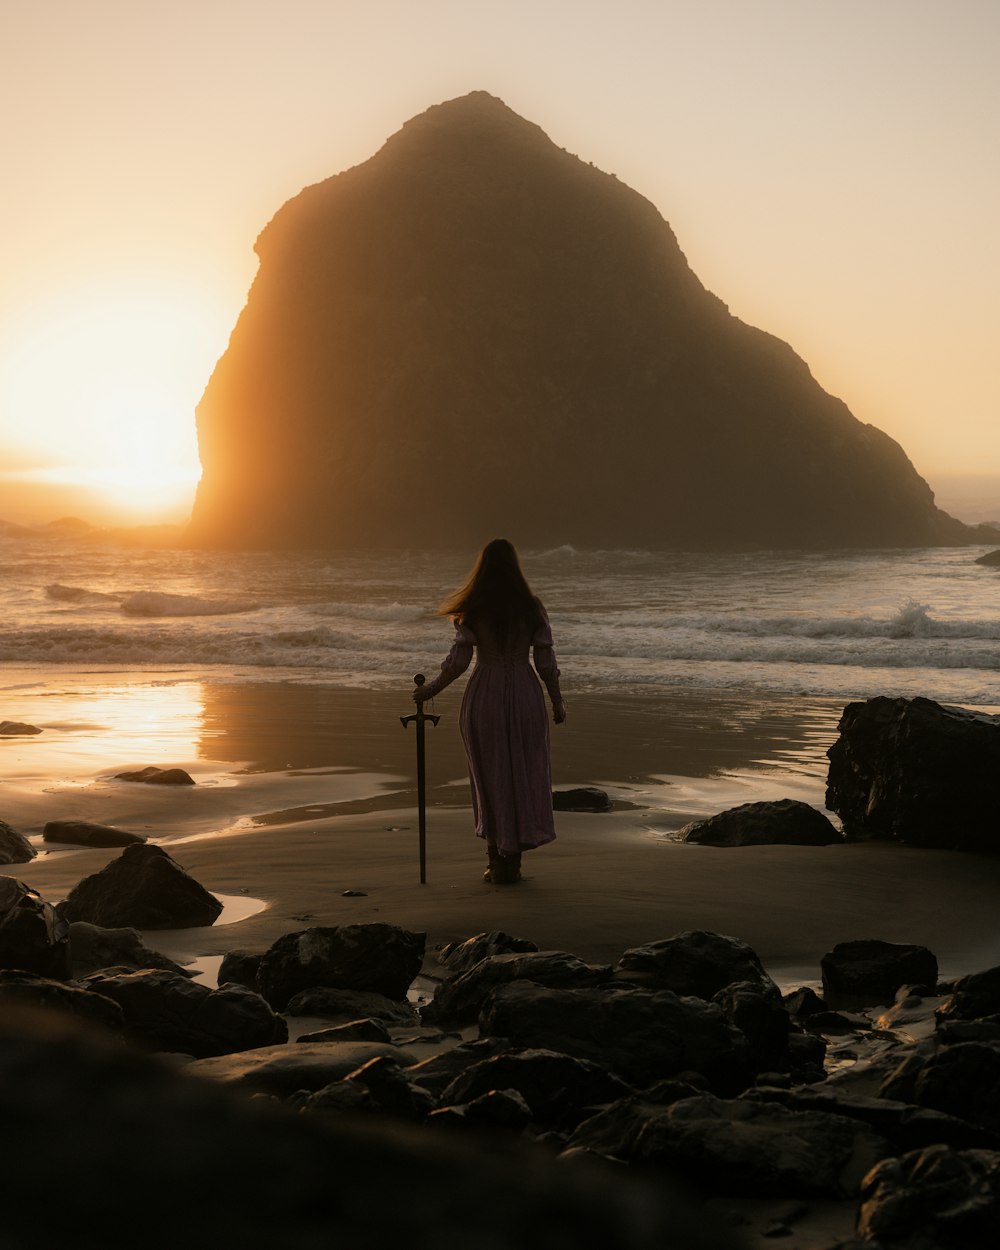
x: 305, y: 792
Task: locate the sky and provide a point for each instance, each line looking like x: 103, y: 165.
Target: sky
x: 829, y: 167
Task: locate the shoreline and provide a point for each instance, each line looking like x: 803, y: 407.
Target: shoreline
x: 304, y: 791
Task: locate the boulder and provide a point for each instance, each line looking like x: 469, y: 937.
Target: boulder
x: 933, y: 1199
x: 461, y: 956
x: 92, y: 948
x: 696, y: 963
x: 14, y: 847
x: 354, y: 1031
x: 33, y: 937
x: 975, y: 997
x: 17, y: 729
x: 498, y: 1109
x: 240, y: 968
x: 88, y: 833
x: 915, y: 771
x: 740, y: 1147
x: 379, y: 958
x: 458, y: 1002
x: 961, y: 1080
x: 347, y: 1005
x: 762, y: 1019
x: 991, y: 558
x: 559, y: 1090
x: 642, y: 1036
x: 803, y: 1002
x: 152, y: 1157
x: 869, y: 972
x: 283, y: 1070
x: 438, y: 1072
x: 153, y: 776
x: 28, y: 989
x: 784, y: 822
x: 390, y: 1089
x: 144, y: 888
x: 581, y: 799
x: 167, y: 1012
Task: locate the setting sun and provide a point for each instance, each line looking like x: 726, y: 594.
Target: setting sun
x: 101, y: 388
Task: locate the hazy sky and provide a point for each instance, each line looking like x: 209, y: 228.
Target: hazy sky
x: 830, y: 168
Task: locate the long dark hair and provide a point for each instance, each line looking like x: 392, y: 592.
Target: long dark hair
x: 497, y: 594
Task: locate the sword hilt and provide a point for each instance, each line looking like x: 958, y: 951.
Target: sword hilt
x: 419, y: 715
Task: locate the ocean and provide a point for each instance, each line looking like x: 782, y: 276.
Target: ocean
x: 843, y: 625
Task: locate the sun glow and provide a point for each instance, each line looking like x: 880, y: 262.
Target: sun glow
x: 99, y: 390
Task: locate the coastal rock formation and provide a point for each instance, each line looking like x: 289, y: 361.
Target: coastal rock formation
x: 14, y: 847
x: 870, y: 972
x: 89, y: 833
x: 33, y: 937
x: 475, y: 331
x: 915, y: 771
x: 783, y: 822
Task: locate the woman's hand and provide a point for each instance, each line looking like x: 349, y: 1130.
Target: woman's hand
x: 419, y: 695
x: 559, y: 711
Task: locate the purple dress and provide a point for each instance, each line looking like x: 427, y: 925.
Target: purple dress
x: 505, y: 728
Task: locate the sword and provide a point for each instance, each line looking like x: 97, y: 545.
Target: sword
x: 420, y: 716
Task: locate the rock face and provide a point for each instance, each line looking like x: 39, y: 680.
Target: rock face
x: 917, y: 772
x: 474, y: 300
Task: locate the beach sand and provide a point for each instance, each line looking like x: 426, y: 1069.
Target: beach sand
x: 304, y: 792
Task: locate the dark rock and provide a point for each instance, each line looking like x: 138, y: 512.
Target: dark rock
x: 762, y: 1019
x: 144, y: 888
x: 950, y: 1032
x: 933, y: 1199
x: 240, y: 968
x: 991, y: 558
x: 92, y: 948
x: 392, y: 1092
x: 33, y: 937
x: 497, y: 1109
x: 14, y: 847
x: 784, y: 822
x: 560, y: 1090
x: 740, y: 1147
x: 195, y: 1164
x: 581, y: 799
x: 835, y: 1023
x: 88, y: 833
x: 806, y: 1051
x: 641, y: 1036
x: 803, y: 1002
x: 167, y: 1012
x: 917, y: 772
x: 961, y: 1080
x: 17, y: 729
x: 438, y: 1072
x: 459, y: 957
x: 27, y: 989
x: 282, y: 1070
x: 472, y: 267
x: 869, y: 972
x: 904, y: 1126
x: 354, y: 1031
x: 697, y: 964
x: 381, y: 958
x: 975, y: 997
x: 459, y: 1001
x: 153, y: 776
x: 347, y: 1005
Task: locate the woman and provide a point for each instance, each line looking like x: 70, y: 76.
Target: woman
x: 503, y: 720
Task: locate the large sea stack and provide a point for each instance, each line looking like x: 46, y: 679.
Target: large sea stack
x: 475, y: 332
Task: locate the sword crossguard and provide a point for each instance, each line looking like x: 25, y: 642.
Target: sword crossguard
x: 419, y: 715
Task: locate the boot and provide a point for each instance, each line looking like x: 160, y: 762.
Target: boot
x: 505, y: 869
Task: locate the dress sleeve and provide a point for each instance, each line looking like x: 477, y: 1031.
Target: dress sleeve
x: 544, y: 657
x: 455, y: 662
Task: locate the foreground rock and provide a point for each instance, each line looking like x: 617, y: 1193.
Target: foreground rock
x: 696, y: 963
x: 33, y: 937
x: 869, y: 972
x: 88, y: 833
x: 459, y: 957
x: 92, y: 948
x: 14, y: 847
x: 379, y: 957
x: 343, y: 1006
x: 284, y: 1070
x: 144, y: 888
x: 164, y: 1011
x: 915, y: 771
x: 27, y: 989
x: 157, y: 1158
x: 784, y: 822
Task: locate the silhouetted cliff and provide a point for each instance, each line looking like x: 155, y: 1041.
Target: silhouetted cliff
x: 475, y: 332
